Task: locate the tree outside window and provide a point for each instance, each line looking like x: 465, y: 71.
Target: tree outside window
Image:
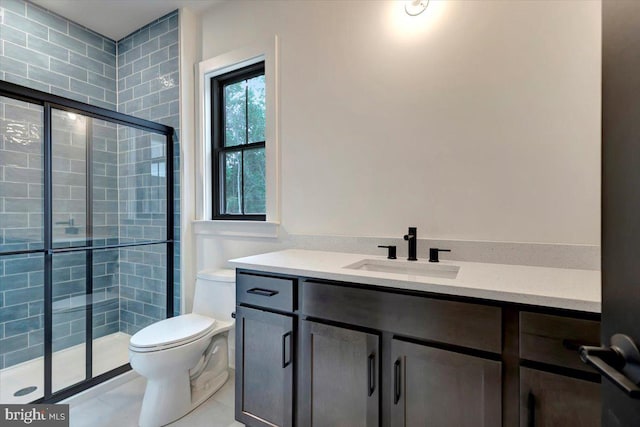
x: 239, y: 144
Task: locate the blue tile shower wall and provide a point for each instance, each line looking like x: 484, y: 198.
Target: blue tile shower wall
x: 148, y: 87
x: 44, y: 51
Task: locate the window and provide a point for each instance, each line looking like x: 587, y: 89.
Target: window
x: 238, y: 135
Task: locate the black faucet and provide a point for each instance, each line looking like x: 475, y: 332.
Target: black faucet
x: 433, y: 254
x: 392, y: 251
x: 412, y: 238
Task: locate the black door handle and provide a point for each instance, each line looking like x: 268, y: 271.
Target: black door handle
x: 286, y: 361
x: 262, y: 292
x: 396, y: 382
x: 371, y: 382
x: 619, y: 363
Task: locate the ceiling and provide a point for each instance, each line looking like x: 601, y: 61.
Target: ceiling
x: 119, y: 18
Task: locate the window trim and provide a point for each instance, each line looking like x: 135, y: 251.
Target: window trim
x: 266, y: 51
x: 217, y: 138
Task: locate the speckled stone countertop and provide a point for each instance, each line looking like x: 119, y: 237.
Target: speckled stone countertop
x: 568, y: 289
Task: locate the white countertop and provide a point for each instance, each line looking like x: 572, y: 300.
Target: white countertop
x: 549, y: 287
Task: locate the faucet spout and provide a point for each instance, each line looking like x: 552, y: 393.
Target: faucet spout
x: 412, y: 238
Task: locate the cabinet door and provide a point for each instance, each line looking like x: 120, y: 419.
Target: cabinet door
x: 340, y: 379
x: 550, y: 400
x: 433, y: 387
x: 264, y: 368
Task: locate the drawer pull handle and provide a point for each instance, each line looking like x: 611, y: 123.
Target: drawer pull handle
x: 396, y: 382
x: 286, y: 361
x: 531, y: 410
x: 371, y: 386
x: 262, y: 292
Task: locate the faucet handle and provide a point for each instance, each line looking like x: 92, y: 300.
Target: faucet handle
x: 412, y: 234
x: 392, y: 251
x: 433, y: 254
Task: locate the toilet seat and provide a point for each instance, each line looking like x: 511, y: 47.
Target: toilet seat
x: 171, y: 332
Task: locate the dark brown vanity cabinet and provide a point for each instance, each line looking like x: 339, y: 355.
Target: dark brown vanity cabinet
x: 422, y: 385
x: 442, y: 388
x: 555, y: 390
x: 340, y: 384
x: 551, y: 400
x: 266, y: 328
x: 264, y: 368
x: 315, y: 353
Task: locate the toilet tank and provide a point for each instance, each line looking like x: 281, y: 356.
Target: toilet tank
x: 215, y: 294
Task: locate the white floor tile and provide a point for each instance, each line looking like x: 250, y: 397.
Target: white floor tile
x: 211, y: 414
x: 121, y: 407
x: 226, y: 395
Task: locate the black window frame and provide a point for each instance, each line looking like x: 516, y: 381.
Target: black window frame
x: 218, y: 84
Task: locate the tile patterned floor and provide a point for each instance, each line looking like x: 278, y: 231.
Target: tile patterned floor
x: 121, y: 407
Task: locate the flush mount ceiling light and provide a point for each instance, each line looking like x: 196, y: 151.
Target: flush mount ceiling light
x: 415, y: 7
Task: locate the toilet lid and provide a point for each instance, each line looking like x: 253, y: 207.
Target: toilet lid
x: 174, y: 330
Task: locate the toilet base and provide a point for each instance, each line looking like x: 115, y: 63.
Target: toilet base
x: 165, y: 400
x: 200, y: 394
x: 170, y: 399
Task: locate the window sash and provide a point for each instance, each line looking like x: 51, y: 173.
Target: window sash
x: 219, y: 149
x: 220, y: 197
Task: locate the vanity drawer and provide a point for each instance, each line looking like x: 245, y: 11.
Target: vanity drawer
x: 458, y: 323
x: 555, y: 339
x: 264, y: 291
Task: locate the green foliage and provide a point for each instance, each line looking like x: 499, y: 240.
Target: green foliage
x: 244, y: 124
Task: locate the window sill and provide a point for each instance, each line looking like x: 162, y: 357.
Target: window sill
x: 262, y: 229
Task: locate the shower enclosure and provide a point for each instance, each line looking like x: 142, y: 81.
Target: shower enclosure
x: 86, y: 241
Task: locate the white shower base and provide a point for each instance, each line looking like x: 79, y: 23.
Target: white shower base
x: 109, y: 352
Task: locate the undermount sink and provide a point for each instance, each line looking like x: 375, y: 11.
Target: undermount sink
x: 410, y: 268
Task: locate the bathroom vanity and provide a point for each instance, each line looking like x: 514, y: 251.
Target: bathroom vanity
x: 323, y: 343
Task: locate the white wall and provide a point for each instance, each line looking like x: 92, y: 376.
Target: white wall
x: 478, y: 120
x: 189, y: 55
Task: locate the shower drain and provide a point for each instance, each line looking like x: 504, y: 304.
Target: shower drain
x: 25, y: 391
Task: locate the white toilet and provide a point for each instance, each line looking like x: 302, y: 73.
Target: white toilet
x: 185, y: 359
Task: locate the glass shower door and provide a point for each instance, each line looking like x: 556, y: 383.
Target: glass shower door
x: 109, y: 190
x: 21, y: 247
x: 86, y: 241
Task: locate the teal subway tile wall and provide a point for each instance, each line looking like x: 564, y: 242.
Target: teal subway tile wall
x: 44, y: 51
x: 148, y: 87
x: 137, y: 75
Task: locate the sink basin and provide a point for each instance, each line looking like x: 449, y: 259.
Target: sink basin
x: 410, y: 268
